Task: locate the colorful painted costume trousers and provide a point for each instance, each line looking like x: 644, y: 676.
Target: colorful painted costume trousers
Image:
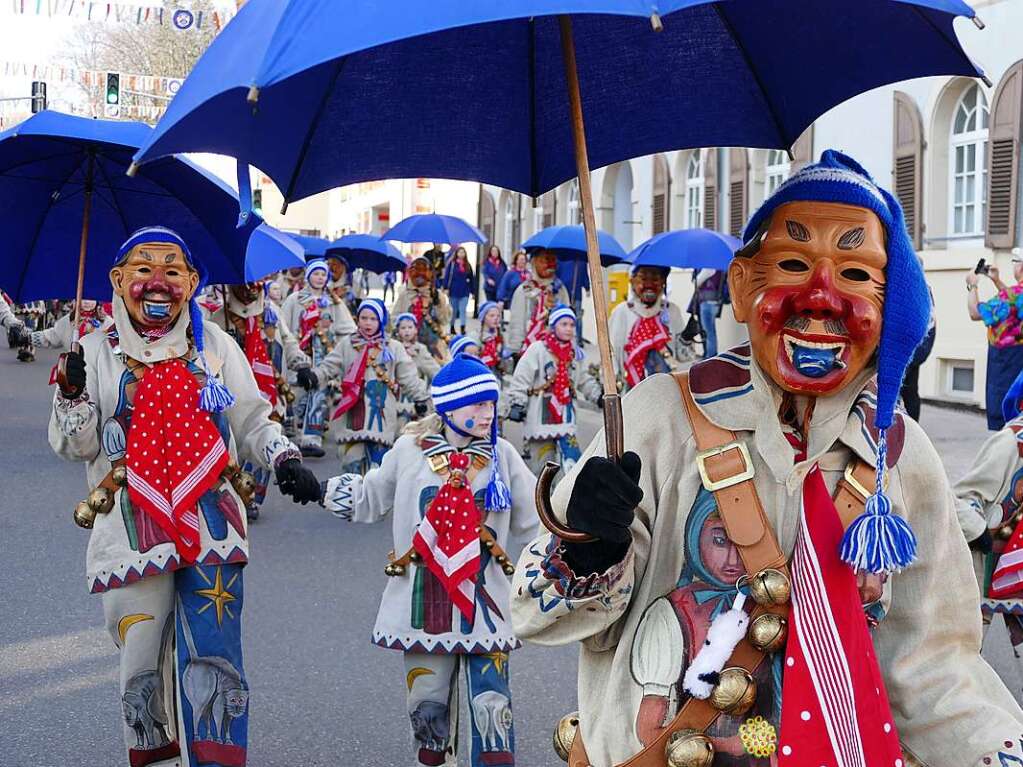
x: 311, y: 416
x: 561, y: 450
x: 360, y: 457
x: 184, y: 698
x: 433, y: 701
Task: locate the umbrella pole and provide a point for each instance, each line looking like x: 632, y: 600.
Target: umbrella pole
x: 86, y: 214
x: 613, y: 428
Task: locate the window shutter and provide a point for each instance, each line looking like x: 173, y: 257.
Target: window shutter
x: 1003, y: 160
x: 710, y: 189
x: 738, y: 169
x: 802, y: 151
x: 907, y: 164
x: 660, y: 195
x: 548, y: 201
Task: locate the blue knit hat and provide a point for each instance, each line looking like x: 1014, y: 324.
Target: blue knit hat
x: 466, y: 381
x: 376, y: 306
x: 312, y: 266
x: 214, y: 395
x: 560, y: 312
x: 877, y: 541
x: 406, y: 316
x: 485, y: 307
x: 460, y: 343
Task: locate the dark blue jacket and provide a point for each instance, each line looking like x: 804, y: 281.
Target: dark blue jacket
x: 492, y: 275
x: 458, y: 284
x: 509, y: 282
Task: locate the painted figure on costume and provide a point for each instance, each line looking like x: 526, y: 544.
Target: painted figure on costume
x: 406, y: 330
x: 321, y: 321
x: 373, y: 371
x: 272, y: 350
x: 91, y: 317
x: 432, y: 310
x: 162, y: 407
x: 542, y: 393
x: 646, y: 329
x: 842, y: 573
x: 449, y: 619
x: 533, y: 300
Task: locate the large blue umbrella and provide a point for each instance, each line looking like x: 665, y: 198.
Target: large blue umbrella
x: 434, y: 227
x: 271, y: 250
x: 365, y: 251
x: 569, y: 243
x: 687, y: 249
x: 62, y: 177
x: 312, y: 247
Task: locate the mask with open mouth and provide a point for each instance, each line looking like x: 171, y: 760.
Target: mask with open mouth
x: 648, y: 284
x: 810, y: 286
x: 155, y: 282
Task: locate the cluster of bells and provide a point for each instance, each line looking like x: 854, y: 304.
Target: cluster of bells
x: 285, y: 390
x: 101, y: 500
x: 396, y: 569
x: 735, y: 691
x: 1005, y: 531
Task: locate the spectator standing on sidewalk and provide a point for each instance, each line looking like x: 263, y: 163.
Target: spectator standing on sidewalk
x: 711, y: 293
x: 460, y: 283
x: 494, y: 269
x: 513, y: 278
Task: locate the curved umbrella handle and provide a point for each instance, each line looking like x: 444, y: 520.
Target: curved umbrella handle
x: 614, y: 443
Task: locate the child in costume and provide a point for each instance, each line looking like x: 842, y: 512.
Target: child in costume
x: 458, y: 495
x: 758, y: 593
x: 272, y: 350
x: 62, y: 334
x: 464, y: 344
x: 373, y: 372
x: 406, y: 330
x: 492, y: 350
x: 162, y: 407
x: 533, y: 299
x: 543, y: 389
x: 646, y: 329
x: 431, y: 308
x: 321, y: 321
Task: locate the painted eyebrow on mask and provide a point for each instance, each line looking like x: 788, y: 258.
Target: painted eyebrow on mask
x: 851, y: 239
x: 797, y: 231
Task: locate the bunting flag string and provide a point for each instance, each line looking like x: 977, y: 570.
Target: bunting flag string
x: 182, y: 18
x: 147, y: 85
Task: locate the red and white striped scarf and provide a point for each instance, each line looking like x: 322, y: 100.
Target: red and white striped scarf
x: 648, y: 334
x: 561, y: 387
x: 490, y: 352
x: 307, y: 324
x: 259, y: 360
x: 175, y: 453
x: 538, y: 319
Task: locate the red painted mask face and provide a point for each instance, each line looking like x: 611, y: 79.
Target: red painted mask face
x: 338, y: 270
x: 648, y: 284
x: 812, y: 296
x: 155, y: 282
x: 544, y: 264
x: 248, y: 292
x: 420, y: 273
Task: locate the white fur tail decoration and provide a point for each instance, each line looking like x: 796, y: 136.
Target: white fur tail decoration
x: 724, y: 634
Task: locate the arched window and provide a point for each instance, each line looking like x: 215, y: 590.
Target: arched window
x: 694, y: 191
x: 574, y: 213
x: 511, y: 225
x: 776, y: 171
x: 968, y: 174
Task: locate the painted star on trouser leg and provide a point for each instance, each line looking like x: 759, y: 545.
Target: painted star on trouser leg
x: 218, y: 595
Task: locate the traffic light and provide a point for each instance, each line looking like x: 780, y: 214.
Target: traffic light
x: 257, y: 200
x: 112, y: 100
x: 38, y: 96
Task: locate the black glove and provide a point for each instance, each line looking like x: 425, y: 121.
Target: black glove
x: 982, y: 543
x: 307, y: 379
x: 600, y: 402
x: 17, y: 336
x: 296, y: 480
x: 603, y: 504
x: 517, y: 413
x: 421, y: 409
x: 74, y: 375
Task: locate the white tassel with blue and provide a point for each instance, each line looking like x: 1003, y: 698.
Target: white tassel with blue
x: 498, y: 495
x: 214, y: 396
x: 879, y: 541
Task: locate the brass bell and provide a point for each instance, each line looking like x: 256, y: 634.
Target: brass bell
x: 488, y: 544
x: 768, y: 632
x: 289, y: 396
x: 394, y: 570
x: 770, y: 587
x: 501, y: 559
x: 245, y: 485
x: 100, y: 500
x: 564, y: 735
x: 84, y: 515
x: 734, y: 692
x: 689, y: 748
x: 509, y: 568
x: 415, y: 556
x: 119, y: 476
x: 1005, y: 532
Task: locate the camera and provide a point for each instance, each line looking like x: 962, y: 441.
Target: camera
x: 982, y: 267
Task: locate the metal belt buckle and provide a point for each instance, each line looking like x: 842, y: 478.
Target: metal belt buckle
x: 854, y: 483
x: 438, y: 463
x: 714, y: 485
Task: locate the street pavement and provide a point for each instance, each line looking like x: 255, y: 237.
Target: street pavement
x: 321, y: 693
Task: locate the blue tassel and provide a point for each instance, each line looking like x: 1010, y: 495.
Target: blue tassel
x: 580, y: 355
x: 269, y: 316
x: 879, y: 541
x: 385, y: 352
x: 214, y: 397
x: 498, y: 495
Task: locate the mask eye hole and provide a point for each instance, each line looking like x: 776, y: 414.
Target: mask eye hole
x: 793, y: 265
x: 856, y: 275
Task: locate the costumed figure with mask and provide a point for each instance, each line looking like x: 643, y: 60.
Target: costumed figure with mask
x: 457, y: 495
x: 406, y: 331
x: 162, y: 407
x: 321, y: 321
x: 17, y: 334
x: 291, y: 281
x: 542, y: 393
x: 856, y: 600
x: 533, y: 300
x: 646, y: 329
x: 91, y: 317
x: 371, y: 372
x: 420, y: 297
x: 272, y: 350
x: 341, y: 284
x: 990, y: 498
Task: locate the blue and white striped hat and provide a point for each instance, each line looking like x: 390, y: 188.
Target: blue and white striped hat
x: 406, y: 316
x: 463, y: 381
x: 560, y: 312
x: 376, y: 306
x: 485, y: 307
x: 312, y: 266
x: 459, y: 344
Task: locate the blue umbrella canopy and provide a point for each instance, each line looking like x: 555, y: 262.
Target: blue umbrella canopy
x: 730, y: 73
x: 687, y: 249
x: 569, y: 242
x: 365, y: 251
x: 271, y: 250
x: 44, y: 172
x: 312, y: 247
x: 434, y: 227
